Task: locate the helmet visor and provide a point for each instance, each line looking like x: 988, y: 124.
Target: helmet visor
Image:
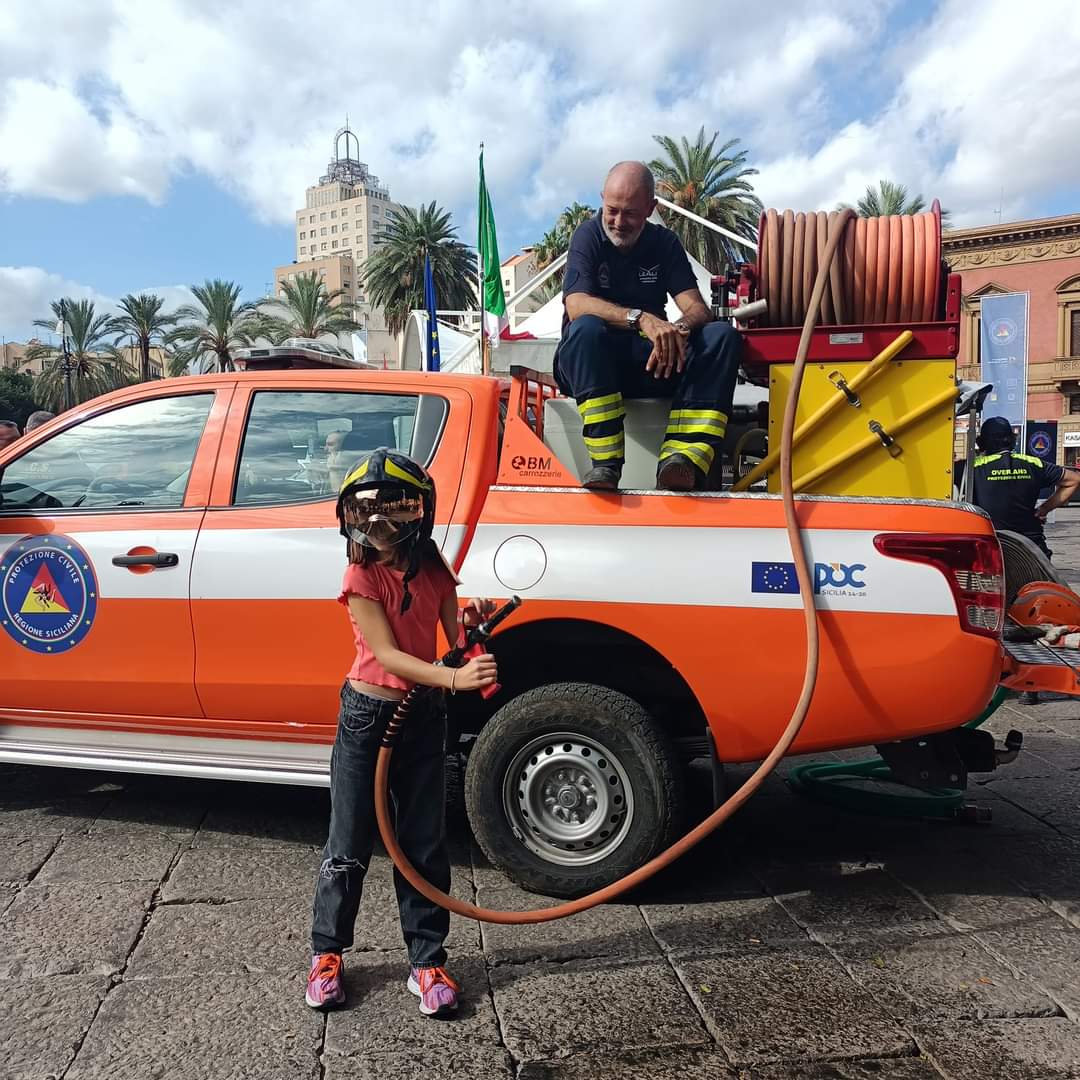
x: 381, y: 517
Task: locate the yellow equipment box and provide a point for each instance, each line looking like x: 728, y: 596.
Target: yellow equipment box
x: 908, y: 405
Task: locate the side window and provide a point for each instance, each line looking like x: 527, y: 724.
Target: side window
x: 299, y: 444
x: 139, y: 455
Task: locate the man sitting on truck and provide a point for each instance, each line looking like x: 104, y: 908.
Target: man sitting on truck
x: 1006, y: 484
x: 617, y: 341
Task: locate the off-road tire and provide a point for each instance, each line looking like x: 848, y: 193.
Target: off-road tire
x: 606, y: 719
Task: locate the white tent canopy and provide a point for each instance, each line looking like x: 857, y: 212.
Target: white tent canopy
x: 534, y: 339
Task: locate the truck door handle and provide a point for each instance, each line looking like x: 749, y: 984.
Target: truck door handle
x: 157, y: 558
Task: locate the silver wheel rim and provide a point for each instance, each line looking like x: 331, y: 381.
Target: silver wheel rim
x: 568, y: 799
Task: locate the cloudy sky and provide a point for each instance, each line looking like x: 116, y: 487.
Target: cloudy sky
x: 149, y: 145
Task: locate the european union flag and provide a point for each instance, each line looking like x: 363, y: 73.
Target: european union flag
x: 433, y: 326
x: 773, y: 577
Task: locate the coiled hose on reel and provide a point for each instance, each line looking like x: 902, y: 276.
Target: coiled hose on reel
x: 756, y: 779
x: 888, y: 269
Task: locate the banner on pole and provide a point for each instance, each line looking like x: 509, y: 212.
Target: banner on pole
x: 1003, y: 357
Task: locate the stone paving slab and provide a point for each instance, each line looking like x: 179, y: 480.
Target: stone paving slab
x: 699, y: 927
x: 39, y: 819
x: 903, y: 1068
x: 108, y: 859
x: 966, y: 891
x: 836, y: 902
x: 71, y: 928
x: 667, y: 1063
x: 42, y: 1021
x: 381, y: 1017
x: 229, y: 1027
x: 233, y: 938
x: 549, y: 1011
x: 145, y: 816
x: 1047, y: 950
x: 22, y: 858
x: 608, y: 930
x: 236, y: 827
x: 943, y: 978
x: 1054, y: 799
x: 771, y: 1004
x: 1056, y: 751
x: 466, y: 1062
x: 1051, y: 875
x: 1005, y: 1049
x: 243, y: 874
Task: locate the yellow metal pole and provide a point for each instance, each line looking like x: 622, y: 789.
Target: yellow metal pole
x: 872, y: 440
x: 875, y: 366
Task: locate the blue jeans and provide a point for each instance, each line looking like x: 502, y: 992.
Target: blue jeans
x: 418, y: 803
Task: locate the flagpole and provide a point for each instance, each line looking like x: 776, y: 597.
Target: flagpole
x: 480, y: 266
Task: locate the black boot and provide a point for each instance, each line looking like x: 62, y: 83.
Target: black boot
x: 677, y: 473
x: 602, y: 478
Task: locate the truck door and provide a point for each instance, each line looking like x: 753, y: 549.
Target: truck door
x: 272, y: 643
x: 97, y: 528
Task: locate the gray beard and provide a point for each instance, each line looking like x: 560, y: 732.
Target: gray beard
x: 620, y: 245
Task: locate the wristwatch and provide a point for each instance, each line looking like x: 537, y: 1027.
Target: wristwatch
x: 633, y: 317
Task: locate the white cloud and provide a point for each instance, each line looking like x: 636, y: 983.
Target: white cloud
x: 981, y: 104
x: 122, y: 98
x: 27, y: 292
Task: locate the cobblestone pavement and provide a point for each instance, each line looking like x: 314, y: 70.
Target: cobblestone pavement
x: 158, y: 928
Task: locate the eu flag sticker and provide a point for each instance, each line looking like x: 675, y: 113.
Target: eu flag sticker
x: 773, y: 577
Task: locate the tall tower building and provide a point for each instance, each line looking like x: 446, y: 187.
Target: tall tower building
x: 345, y: 218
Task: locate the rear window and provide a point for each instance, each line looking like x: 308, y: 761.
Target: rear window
x: 298, y: 445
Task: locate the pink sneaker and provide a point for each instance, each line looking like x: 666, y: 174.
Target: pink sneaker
x: 438, y: 993
x: 325, y: 985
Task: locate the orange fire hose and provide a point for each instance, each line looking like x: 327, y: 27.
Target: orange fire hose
x: 734, y: 801
x: 889, y: 270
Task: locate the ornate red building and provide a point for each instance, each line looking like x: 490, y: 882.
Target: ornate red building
x: 1041, y: 258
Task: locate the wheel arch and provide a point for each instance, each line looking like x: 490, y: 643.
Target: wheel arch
x: 579, y: 650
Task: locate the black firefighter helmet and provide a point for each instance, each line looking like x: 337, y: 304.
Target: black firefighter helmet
x: 386, y: 500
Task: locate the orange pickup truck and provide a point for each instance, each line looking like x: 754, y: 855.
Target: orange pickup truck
x: 169, y: 561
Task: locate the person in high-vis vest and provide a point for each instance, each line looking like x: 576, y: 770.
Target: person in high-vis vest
x: 1006, y: 484
x: 617, y: 342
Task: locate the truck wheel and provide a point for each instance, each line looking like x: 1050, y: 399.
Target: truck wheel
x: 570, y: 787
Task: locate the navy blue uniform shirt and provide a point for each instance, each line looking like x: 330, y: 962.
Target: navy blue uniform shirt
x: 1007, y: 485
x: 639, y: 278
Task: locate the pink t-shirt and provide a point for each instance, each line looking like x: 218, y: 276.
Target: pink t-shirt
x: 414, y: 631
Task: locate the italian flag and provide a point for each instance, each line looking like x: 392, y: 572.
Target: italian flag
x: 492, y: 300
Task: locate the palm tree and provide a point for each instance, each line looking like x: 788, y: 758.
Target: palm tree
x: 890, y: 198
x: 549, y: 247
x: 178, y: 360
x: 143, y: 321
x: 309, y: 311
x: 394, y: 275
x: 92, y: 366
x: 555, y: 241
x: 209, y: 330
x: 712, y: 183
x: 573, y: 216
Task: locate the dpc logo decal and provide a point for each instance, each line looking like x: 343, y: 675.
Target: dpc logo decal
x: 49, y: 593
x: 839, y: 579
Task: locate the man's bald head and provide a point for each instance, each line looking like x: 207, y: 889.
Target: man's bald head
x: 633, y: 177
x: 628, y: 198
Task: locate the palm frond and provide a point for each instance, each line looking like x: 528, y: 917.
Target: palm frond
x: 713, y: 183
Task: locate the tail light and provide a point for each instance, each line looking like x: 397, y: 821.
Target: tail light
x: 972, y: 566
